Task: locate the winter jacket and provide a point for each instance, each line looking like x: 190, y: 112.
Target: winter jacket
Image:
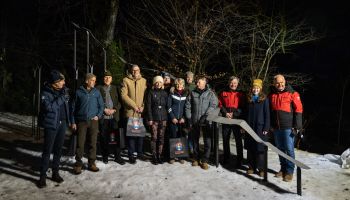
x: 132, y: 94
x: 87, y: 105
x: 231, y: 101
x: 157, y: 100
x: 176, y: 104
x: 50, y: 107
x: 199, y: 105
x: 258, y: 118
x: 115, y: 99
x: 286, y: 109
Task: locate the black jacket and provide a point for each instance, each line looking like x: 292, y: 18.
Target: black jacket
x: 157, y: 105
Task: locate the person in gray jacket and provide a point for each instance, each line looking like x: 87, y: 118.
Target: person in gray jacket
x: 199, y: 104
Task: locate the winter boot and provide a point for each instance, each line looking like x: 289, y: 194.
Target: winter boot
x: 132, y: 160
x: 279, y: 174
x: 250, y: 170
x: 105, y: 159
x: 77, y: 168
x: 194, y: 163
x: 119, y: 159
x: 171, y: 161
x: 160, y: 159
x: 288, y: 177
x: 205, y: 166
x: 154, y: 159
x: 56, y: 177
x: 92, y: 167
x: 182, y: 161
x: 42, y: 182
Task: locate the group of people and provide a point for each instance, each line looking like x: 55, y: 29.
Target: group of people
x: 167, y: 108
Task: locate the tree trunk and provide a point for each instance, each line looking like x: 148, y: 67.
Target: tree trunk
x: 111, y: 24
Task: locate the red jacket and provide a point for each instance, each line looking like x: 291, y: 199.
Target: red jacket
x: 286, y: 109
x: 231, y: 101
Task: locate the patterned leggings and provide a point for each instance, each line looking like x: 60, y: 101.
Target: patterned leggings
x: 158, y: 131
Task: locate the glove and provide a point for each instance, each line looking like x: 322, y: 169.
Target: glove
x: 237, y: 112
x: 202, y: 119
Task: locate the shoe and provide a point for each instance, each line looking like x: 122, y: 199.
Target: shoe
x: 105, y: 160
x: 77, y: 168
x: 171, y: 161
x: 154, y: 160
x: 279, y: 174
x: 261, y: 173
x: 250, y: 170
x: 92, y: 167
x: 160, y: 160
x: 42, y: 182
x: 142, y: 158
x: 119, y: 160
x: 56, y: 177
x: 205, y: 166
x: 182, y: 161
x: 194, y: 163
x: 132, y: 160
x: 288, y: 177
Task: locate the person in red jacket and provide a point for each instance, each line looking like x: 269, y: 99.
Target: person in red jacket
x: 286, y: 112
x: 231, y: 104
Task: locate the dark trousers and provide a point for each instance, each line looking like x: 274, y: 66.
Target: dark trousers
x: 174, y: 131
x: 87, y: 131
x: 106, y: 127
x: 207, y: 142
x: 53, y: 142
x: 255, y: 159
x: 226, y: 132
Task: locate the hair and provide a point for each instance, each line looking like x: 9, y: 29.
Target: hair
x: 201, y: 77
x: 179, y: 81
x: 277, y: 76
x: 262, y: 96
x: 189, y: 73
x: 89, y: 76
x: 132, y: 67
x: 233, y: 78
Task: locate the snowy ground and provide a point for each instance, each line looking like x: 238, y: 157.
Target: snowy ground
x: 20, y: 156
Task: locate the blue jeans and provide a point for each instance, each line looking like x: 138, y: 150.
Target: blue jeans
x: 284, y: 140
x: 53, y: 142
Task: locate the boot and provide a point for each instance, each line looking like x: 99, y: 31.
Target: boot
x: 105, y: 159
x: 77, y: 168
x: 56, y: 177
x: 205, y: 166
x: 288, y: 177
x: 160, y: 159
x: 119, y: 159
x: 92, y: 167
x: 132, y: 160
x: 279, y: 174
x: 154, y: 159
x: 42, y: 182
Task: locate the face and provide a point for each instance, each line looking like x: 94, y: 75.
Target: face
x: 91, y: 82
x: 135, y: 71
x: 280, y: 83
x: 201, y: 83
x: 107, y: 80
x: 233, y: 84
x: 167, y: 80
x: 189, y: 79
x: 180, y: 86
x: 58, y: 85
x: 158, y: 85
x: 256, y: 90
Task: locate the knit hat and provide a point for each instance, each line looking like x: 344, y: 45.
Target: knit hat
x: 89, y: 76
x: 164, y: 74
x: 257, y: 83
x: 158, y: 79
x: 55, y: 76
x: 107, y: 73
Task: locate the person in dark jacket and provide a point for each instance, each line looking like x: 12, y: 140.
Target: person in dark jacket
x: 258, y: 118
x: 157, y: 100
x: 88, y: 108
x: 231, y: 103
x: 54, y: 118
x: 176, y: 110
x: 109, y: 123
x: 286, y: 111
x: 200, y: 103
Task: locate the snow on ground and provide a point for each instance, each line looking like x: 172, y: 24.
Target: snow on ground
x: 20, y: 157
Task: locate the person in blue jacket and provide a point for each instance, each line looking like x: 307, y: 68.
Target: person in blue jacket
x: 54, y: 117
x: 88, y: 108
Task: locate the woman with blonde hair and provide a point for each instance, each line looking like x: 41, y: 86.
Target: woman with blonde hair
x: 258, y: 117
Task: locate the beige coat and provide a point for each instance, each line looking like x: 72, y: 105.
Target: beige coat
x: 132, y: 94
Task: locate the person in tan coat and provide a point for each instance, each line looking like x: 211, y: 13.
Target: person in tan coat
x: 132, y: 94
